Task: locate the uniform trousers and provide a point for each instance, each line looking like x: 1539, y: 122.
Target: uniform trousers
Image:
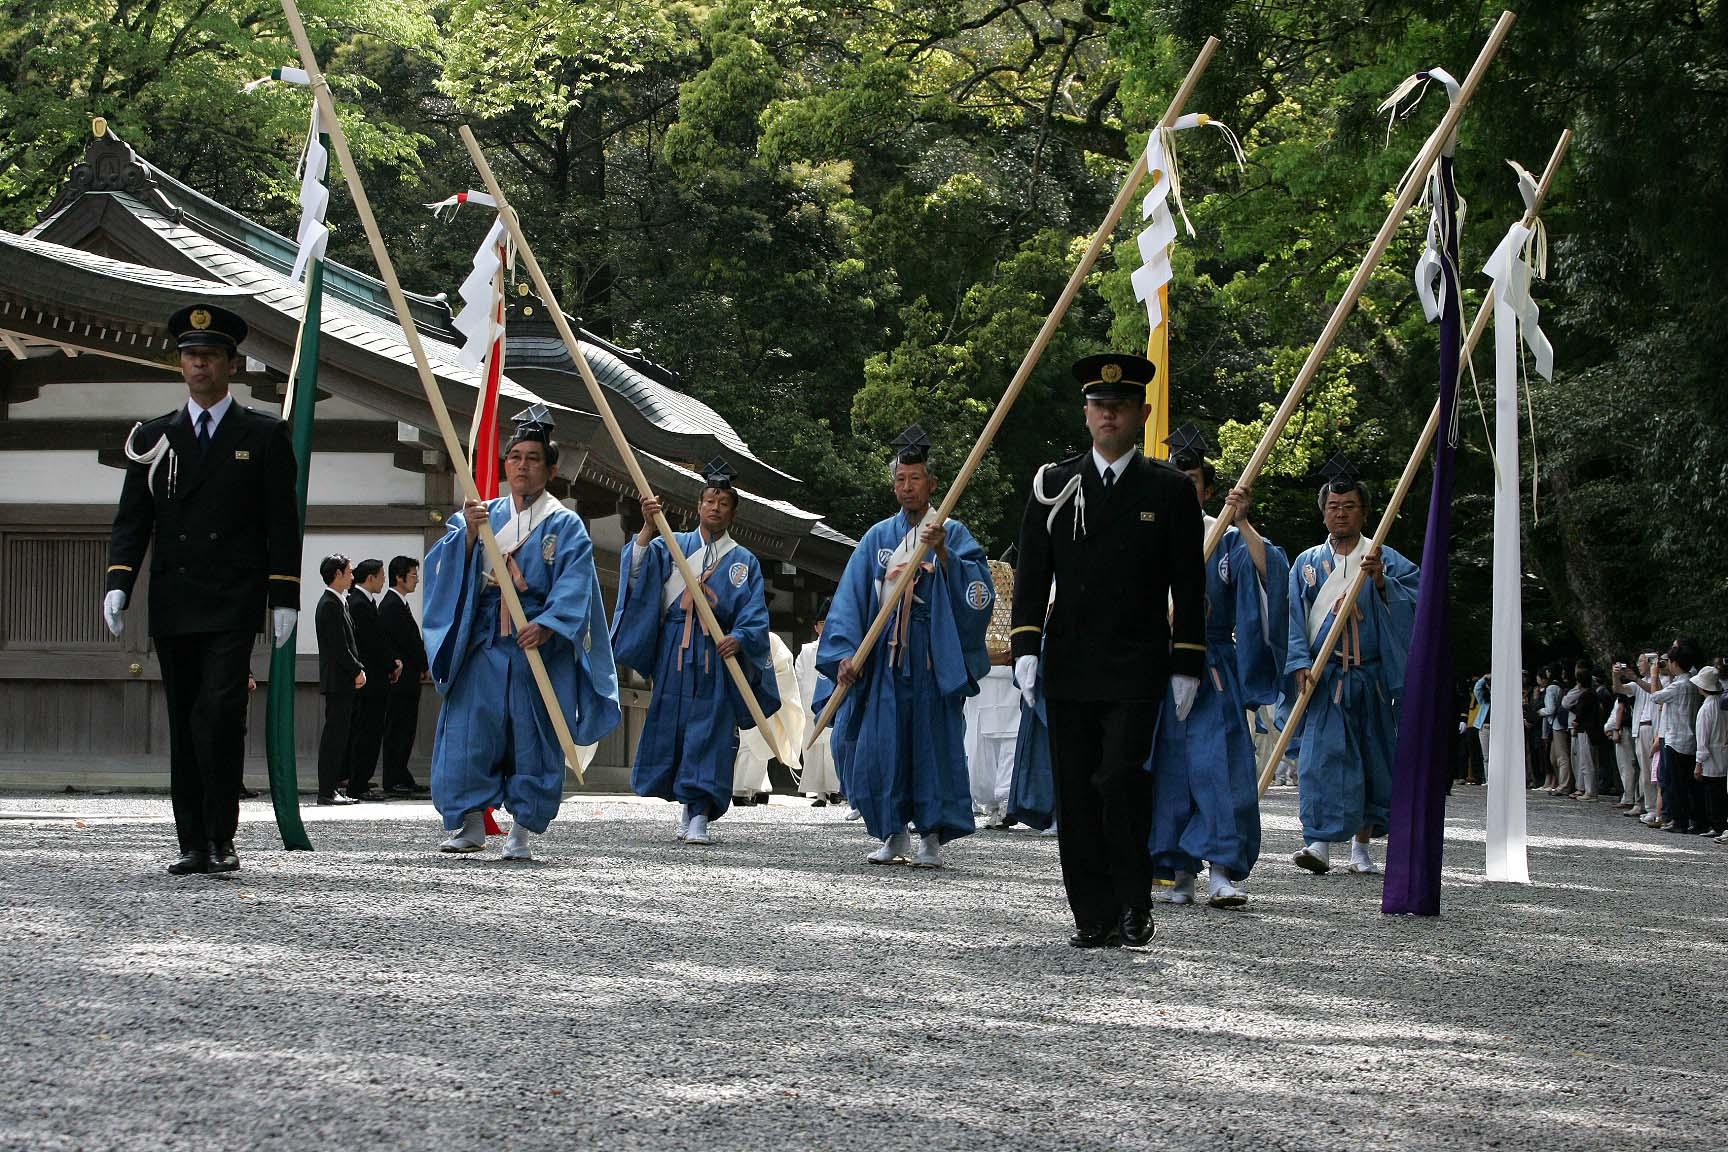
x: 1104, y: 800
x: 204, y: 681
x: 334, y: 743
x: 401, y: 722
x: 367, y: 731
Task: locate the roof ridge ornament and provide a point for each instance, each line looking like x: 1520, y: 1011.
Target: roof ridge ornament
x: 109, y: 165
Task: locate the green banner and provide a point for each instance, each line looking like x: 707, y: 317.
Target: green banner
x: 279, y: 720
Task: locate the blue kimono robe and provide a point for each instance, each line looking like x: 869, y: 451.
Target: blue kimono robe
x: 690, y: 739
x: 495, y: 744
x: 1208, y: 795
x: 1350, y: 730
x: 902, y: 721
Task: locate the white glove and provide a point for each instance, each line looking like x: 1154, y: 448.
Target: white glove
x: 113, y: 605
x: 1026, y: 675
x: 282, y: 623
x: 1184, y: 689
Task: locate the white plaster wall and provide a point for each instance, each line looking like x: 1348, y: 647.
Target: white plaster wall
x: 58, y: 478
x: 357, y: 546
x: 117, y: 400
x: 369, y: 478
x: 361, y: 478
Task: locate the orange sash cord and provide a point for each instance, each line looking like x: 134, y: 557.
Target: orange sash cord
x: 903, y: 613
x: 687, y: 602
x: 521, y: 583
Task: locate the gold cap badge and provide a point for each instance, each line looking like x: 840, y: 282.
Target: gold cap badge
x: 1110, y: 373
x: 200, y: 318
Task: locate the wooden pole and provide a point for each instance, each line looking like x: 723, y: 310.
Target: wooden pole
x: 1393, y: 506
x: 1412, y: 188
x: 692, y: 578
x: 434, y: 398
x: 891, y: 598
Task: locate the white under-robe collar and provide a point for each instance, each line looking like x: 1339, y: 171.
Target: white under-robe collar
x: 712, y: 552
x: 1336, y: 584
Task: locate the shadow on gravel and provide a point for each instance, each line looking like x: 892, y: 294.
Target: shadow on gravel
x: 626, y: 991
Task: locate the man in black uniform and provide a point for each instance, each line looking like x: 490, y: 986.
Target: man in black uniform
x: 211, y: 485
x: 402, y: 717
x: 1121, y: 537
x: 341, y: 678
x: 382, y: 668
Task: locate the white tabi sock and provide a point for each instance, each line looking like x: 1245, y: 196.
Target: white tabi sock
x: 1360, y: 861
x: 516, y: 846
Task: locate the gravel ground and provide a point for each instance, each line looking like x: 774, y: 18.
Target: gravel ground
x: 773, y: 991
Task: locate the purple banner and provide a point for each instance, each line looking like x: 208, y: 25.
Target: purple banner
x: 1428, y: 713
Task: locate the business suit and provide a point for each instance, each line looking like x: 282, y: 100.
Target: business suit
x: 378, y: 657
x: 1129, y: 612
x: 402, y: 716
x: 220, y: 525
x: 338, y: 665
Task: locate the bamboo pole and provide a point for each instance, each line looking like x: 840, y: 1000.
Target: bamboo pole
x: 692, y: 578
x: 891, y: 597
x: 1418, y: 177
x: 434, y: 398
x: 1393, y: 506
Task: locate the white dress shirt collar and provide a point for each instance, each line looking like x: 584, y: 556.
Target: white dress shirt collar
x: 216, y: 410
x: 1119, y: 467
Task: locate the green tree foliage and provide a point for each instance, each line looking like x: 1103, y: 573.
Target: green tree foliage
x: 833, y: 220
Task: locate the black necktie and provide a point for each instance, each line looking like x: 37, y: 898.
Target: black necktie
x: 203, y: 432
x: 1109, y: 478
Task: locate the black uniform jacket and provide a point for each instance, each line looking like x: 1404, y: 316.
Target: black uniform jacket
x: 224, y: 525
x: 404, y: 636
x: 338, y: 659
x: 376, y: 651
x: 1130, y: 588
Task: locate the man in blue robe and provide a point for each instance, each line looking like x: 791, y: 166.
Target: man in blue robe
x: 1350, y: 730
x: 1204, y: 768
x: 901, y: 721
x: 496, y: 746
x: 690, y: 739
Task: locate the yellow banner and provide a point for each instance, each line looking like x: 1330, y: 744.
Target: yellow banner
x: 1158, y: 395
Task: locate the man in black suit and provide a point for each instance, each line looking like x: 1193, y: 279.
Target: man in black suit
x: 341, y: 676
x: 210, y: 495
x: 402, y: 716
x: 378, y: 657
x: 1120, y: 535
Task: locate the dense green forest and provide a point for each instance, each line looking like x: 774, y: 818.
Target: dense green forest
x: 835, y: 217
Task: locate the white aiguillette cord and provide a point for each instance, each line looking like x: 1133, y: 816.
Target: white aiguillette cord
x: 1054, y: 503
x: 153, y: 456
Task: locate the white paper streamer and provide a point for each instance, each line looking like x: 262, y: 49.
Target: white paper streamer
x: 478, y: 320
x: 314, y: 198
x: 1160, y: 233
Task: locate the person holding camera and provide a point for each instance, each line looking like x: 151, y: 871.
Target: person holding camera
x: 1676, y: 735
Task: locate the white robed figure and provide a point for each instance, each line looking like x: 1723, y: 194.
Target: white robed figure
x: 496, y: 746
x: 750, y: 769
x: 820, y: 777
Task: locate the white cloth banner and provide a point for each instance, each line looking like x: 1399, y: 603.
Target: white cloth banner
x: 478, y: 320
x: 1160, y: 232
x: 313, y: 236
x: 1510, y: 269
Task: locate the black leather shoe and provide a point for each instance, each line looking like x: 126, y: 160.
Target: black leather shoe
x: 407, y: 792
x: 190, y: 864
x: 1095, y: 936
x: 249, y: 793
x: 223, y: 858
x: 1135, y: 927
x: 370, y: 796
